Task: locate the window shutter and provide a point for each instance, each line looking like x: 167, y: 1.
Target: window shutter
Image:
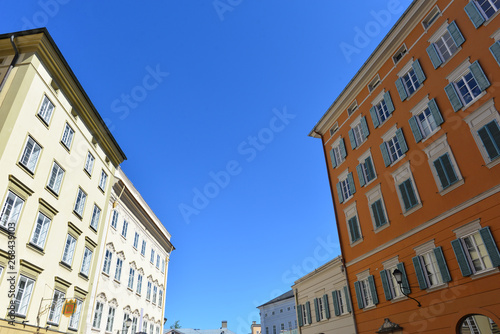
x: 418, y: 71
x: 353, y: 228
x: 403, y: 189
x: 359, y: 297
x: 401, y: 89
x: 455, y: 33
x: 364, y: 127
x: 415, y: 129
x: 385, y: 154
x: 339, y: 192
x: 371, y: 281
x: 385, y: 285
x: 438, y: 165
x: 299, y: 315
x: 406, y: 284
x: 347, y: 299
x: 490, y: 245
x: 343, y: 152
x: 448, y: 168
x: 461, y: 257
x: 316, y: 308
x: 495, y: 51
x: 443, y: 268
x: 490, y: 136
x: 432, y: 105
x: 401, y: 140
x: 378, y: 213
x: 332, y: 158
x: 453, y: 97
x: 422, y: 283
x: 308, y: 310
x: 336, y: 307
x: 369, y: 168
x: 350, y: 180
x: 352, y: 139
x: 477, y: 72
x: 434, y: 56
x: 361, y: 177
x: 326, y: 306
x: 474, y: 14
x: 373, y: 114
x: 388, y: 102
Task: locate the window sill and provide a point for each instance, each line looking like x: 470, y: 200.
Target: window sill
x: 360, y: 240
x: 452, y: 56
x: 89, y: 174
x: 431, y: 134
x: 52, y: 324
x: 138, y: 294
x: 370, y: 182
x: 26, y: 170
x: 415, y: 92
x: 493, y: 162
x: 490, y: 19
x: 368, y: 308
x: 123, y: 237
x: 437, y: 287
x: 43, y: 121
x: 381, y: 228
x: 102, y: 190
x: 73, y: 329
x: 83, y: 276
x: 381, y: 124
x: 338, y: 165
x: 412, y: 210
x: 65, y: 147
x: 477, y: 98
x: 52, y: 192
x: 77, y: 215
x: 129, y: 289
x: 485, y: 272
x: 396, y: 161
x: 116, y: 281
x: 452, y: 187
x: 65, y: 265
x: 398, y: 299
x: 4, y: 230
x: 92, y: 229
x: 347, y: 200
x: 358, y: 146
x: 105, y: 274
x: 35, y: 248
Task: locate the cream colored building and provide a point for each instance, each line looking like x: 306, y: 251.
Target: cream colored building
x: 57, y: 161
x: 133, y: 266
x: 323, y: 301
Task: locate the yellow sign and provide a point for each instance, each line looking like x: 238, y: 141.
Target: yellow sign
x: 69, y: 308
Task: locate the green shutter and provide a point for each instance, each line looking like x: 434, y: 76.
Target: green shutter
x: 415, y: 129
x: 385, y: 154
x: 353, y: 228
x: 477, y: 72
x: 388, y: 102
x: 359, y: 297
x: 361, y: 177
x: 406, y: 284
x: 418, y: 71
x: 455, y: 33
x: 441, y: 261
x: 422, y: 283
x: 308, y: 310
x: 434, y: 56
x: 378, y: 213
x: 401, y: 140
x: 336, y: 307
x: 453, y: 97
x: 373, y: 290
x: 369, y: 169
x: 299, y: 315
x: 474, y: 14
x: 401, y: 89
x: 373, y: 113
x: 332, y: 158
x: 438, y: 165
x: 490, y: 136
x: 490, y: 245
x: 448, y: 168
x: 347, y: 299
x: 339, y: 192
x: 495, y: 51
x: 364, y: 127
x: 352, y: 139
x: 408, y: 194
x: 385, y: 285
x: 463, y: 263
x: 343, y: 152
x: 350, y: 180
x: 316, y: 309
x: 432, y: 105
x: 326, y: 306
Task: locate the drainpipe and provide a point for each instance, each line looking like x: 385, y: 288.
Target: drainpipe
x: 12, y: 63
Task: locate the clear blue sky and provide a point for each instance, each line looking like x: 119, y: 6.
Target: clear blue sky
x: 229, y: 89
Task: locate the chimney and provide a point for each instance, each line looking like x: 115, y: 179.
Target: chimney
x: 254, y: 322
x: 224, y: 324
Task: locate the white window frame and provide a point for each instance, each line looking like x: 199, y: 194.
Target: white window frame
x: 40, y: 231
x: 148, y: 290
x: 483, y: 13
x: 74, y: 320
x: 131, y: 275
x: 118, y: 268
x: 99, y: 308
x: 358, y: 131
x: 22, y: 299
x: 391, y: 265
x: 400, y: 175
x: 139, y: 283
x: 381, y: 108
x: 136, y: 240
x: 143, y: 248
x: 114, y: 219
x: 362, y: 158
x: 155, y: 292
x: 96, y: 215
x: 11, y: 210
x: 69, y: 250
x: 67, y: 137
x: 337, y: 152
x: 89, y: 163
x: 46, y: 110
x: 81, y: 198
x: 110, y: 319
x: 86, y: 261
x: 322, y: 315
x: 457, y: 74
x: 55, y: 178
x: 420, y: 108
x: 31, y: 155
x: 152, y: 259
x: 428, y: 261
x: 107, y: 261
x: 373, y: 195
x: 390, y: 136
x: 434, y: 13
x: 58, y: 300
x: 438, y: 36
x: 103, y: 180
x: 405, y: 71
x: 346, y: 190
x: 124, y: 228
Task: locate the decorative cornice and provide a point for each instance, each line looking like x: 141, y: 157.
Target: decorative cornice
x: 62, y: 281
x: 31, y: 266
x: 47, y: 206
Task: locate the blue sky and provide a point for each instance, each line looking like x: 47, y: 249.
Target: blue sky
x: 212, y: 102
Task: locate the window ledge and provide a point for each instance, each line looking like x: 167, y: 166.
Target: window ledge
x: 381, y: 124
x: 83, y: 276
x: 347, y: 200
x: 338, y: 165
x: 52, y: 324
x: 5, y: 231
x: 35, y: 248
x: 24, y: 168
x: 52, y: 192
x: 368, y: 308
x: 477, y: 98
x: 452, y: 56
x: 358, y: 146
x: 396, y: 161
x: 65, y: 265
x: 491, y: 18
x: 43, y: 121
x: 437, y: 287
x: 485, y: 272
x: 383, y: 227
x: 105, y: 274
x: 493, y: 163
x: 129, y: 289
x: 415, y: 92
x: 412, y: 210
x: 65, y: 147
x: 88, y: 173
x: 370, y: 182
x: 452, y: 187
x: 360, y: 240
x: 138, y: 294
x: 123, y: 237
x: 73, y: 329
x: 116, y: 281
x: 431, y: 134
x: 102, y: 190
x: 77, y: 214
x: 398, y: 299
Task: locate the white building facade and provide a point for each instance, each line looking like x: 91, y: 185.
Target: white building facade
x: 278, y: 315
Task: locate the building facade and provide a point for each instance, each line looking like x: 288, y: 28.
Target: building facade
x: 133, y: 266
x: 255, y: 328
x: 412, y: 146
x: 323, y: 300
x: 222, y: 330
x: 278, y: 315
x: 57, y: 161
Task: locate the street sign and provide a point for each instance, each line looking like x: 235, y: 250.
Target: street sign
x: 69, y: 308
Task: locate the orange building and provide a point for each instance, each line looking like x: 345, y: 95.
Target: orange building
x: 412, y: 147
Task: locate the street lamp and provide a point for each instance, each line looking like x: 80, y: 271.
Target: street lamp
x: 128, y: 323
x: 398, y: 275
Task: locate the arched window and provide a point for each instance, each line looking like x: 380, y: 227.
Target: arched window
x: 478, y: 324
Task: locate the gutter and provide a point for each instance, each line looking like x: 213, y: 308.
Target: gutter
x: 12, y: 63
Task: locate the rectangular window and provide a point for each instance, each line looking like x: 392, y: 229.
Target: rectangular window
x: 321, y: 309
x: 394, y: 149
x: 304, y: 314
x: 124, y: 324
x: 80, y: 202
x: 467, y: 88
x: 67, y: 137
x: 445, y: 171
x: 23, y: 294
x: 477, y: 253
x: 40, y: 232
x: 45, y: 112
x: 97, y: 315
x: 160, y: 297
x: 134, y: 325
x: 131, y: 275
x: 107, y: 261
x: 155, y: 291
x: 338, y: 153
x: 56, y: 307
x: 157, y: 261
x: 163, y: 265
x: 148, y: 291
x: 445, y: 46
x: 143, y: 248
x: 490, y: 137
x: 124, y: 228
x: 430, y: 269
x: 139, y: 284
x: 111, y: 319
x: 274, y: 329
x: 114, y: 220
x: 378, y: 213
x: 340, y: 300
x: 282, y: 327
x: 426, y: 122
x: 87, y: 257
x: 366, y: 172
x: 408, y: 194
x: 30, y: 156
x: 118, y: 270
x: 11, y: 210
x: 89, y: 163
x: 354, y: 229
x: 69, y: 250
x: 152, y: 259
x: 96, y: 214
x: 410, y: 82
x: 431, y: 17
x: 382, y: 111
x: 488, y: 7
x: 55, y: 179
x: 136, y: 240
x: 366, y: 294
x: 75, y: 317
x: 390, y: 285
x: 102, y: 181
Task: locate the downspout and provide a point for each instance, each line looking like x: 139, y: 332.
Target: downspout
x: 12, y: 63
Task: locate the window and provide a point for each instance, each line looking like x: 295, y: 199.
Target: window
x: 392, y: 290
x: 87, y: 257
x: 267, y: 330
x: 358, y: 133
x: 23, y: 294
x: 45, y: 112
x: 431, y: 17
x: 124, y: 323
x: 424, y: 123
x: 152, y: 260
x: 89, y: 163
x: 80, y: 202
x: 345, y: 187
x: 406, y: 189
x: 338, y: 152
x: 97, y: 315
x: 148, y: 291
x: 431, y: 269
x: 465, y: 90
x: 136, y: 240
x: 334, y: 129
x: 163, y: 266
x: 69, y: 250
x: 274, y: 329
x: 157, y: 261
x: 366, y: 172
x: 111, y: 319
x: 282, y: 327
x: 378, y: 212
x: 56, y: 307
x: 160, y: 297
x: 490, y: 137
x: 354, y: 230
x: 118, y: 270
x: 131, y: 275
x: 102, y: 181
x: 30, y: 155
x: 155, y: 291
x: 55, y: 178
x: 374, y: 83
x: 114, y: 220
x: 341, y: 302
x: 134, y: 325
x: 408, y: 194
x: 143, y: 248
x: 376, y: 204
x: 67, y: 137
x: 139, y: 284
x: 394, y: 148
x: 399, y: 54
x: 366, y: 294
x: 107, y: 261
x: 96, y: 213
x: 444, y: 44
x: 352, y: 108
x: 382, y: 109
x: 445, y: 171
x: 11, y: 210
x: 411, y: 78
x: 321, y: 309
x: 75, y: 317
x: 124, y: 229
x: 40, y: 231
x: 151, y: 328
x: 306, y: 314
x: 480, y: 11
